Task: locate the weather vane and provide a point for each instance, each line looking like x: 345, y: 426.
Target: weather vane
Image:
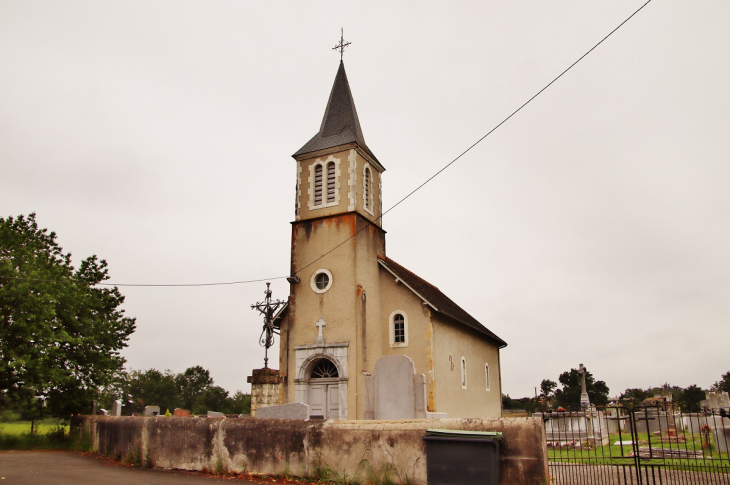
x: 267, y: 308
x: 341, y: 46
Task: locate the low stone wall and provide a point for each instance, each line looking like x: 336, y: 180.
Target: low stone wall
x: 306, y: 448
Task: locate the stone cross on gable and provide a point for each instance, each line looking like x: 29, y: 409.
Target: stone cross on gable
x: 320, y: 324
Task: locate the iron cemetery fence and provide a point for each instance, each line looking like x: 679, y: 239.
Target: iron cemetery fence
x: 646, y: 445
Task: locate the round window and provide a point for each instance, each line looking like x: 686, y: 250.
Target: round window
x: 321, y: 280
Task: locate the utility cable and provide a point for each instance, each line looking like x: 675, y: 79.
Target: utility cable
x: 401, y: 200
x: 483, y: 137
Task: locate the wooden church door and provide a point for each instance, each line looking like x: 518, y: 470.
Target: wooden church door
x: 324, y: 390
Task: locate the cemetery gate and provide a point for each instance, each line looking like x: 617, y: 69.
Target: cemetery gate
x: 646, y: 445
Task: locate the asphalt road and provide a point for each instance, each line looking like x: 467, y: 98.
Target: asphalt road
x: 67, y: 468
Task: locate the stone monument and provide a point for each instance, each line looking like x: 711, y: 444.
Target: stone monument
x: 264, y: 388
x: 585, y: 403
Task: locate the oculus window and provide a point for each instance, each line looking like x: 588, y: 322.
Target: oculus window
x: 321, y: 281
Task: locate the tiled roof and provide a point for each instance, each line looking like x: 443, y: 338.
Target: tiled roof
x: 340, y: 124
x: 436, y: 299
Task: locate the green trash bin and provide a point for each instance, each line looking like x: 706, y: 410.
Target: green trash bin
x: 457, y: 457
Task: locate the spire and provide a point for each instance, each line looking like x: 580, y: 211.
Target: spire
x: 340, y: 124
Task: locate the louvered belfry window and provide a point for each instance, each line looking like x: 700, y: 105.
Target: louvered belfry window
x: 368, y: 188
x: 330, y: 182
x: 318, y: 185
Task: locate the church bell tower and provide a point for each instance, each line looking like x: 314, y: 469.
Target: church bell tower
x: 331, y: 332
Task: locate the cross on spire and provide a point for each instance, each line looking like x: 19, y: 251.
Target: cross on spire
x: 341, y: 46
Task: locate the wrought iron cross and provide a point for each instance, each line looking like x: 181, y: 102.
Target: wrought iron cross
x: 267, y: 308
x: 341, y: 46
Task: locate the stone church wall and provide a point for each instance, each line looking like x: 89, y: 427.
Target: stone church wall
x: 301, y: 447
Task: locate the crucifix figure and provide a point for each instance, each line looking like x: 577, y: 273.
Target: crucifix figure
x: 341, y: 46
x: 320, y: 338
x: 584, y: 401
x: 267, y: 308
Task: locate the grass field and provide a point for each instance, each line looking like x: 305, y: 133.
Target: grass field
x: 49, y: 434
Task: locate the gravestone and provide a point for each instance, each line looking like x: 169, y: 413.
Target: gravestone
x: 398, y: 393
x: 181, y: 412
x: 117, y: 408
x: 215, y: 414
x: 151, y: 410
x: 295, y: 410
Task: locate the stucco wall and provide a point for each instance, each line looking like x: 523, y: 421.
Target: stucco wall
x: 452, y: 341
x: 350, y: 307
x: 299, y: 447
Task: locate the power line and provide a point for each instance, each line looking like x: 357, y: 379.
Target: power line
x: 144, y: 284
x: 483, y: 137
x: 401, y: 200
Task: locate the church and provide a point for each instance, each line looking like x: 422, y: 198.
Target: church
x: 350, y: 305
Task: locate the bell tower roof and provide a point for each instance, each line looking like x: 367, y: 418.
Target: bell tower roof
x: 340, y: 125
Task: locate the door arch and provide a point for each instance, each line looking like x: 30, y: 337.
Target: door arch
x: 324, y: 389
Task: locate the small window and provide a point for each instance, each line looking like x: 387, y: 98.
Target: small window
x: 398, y: 329
x: 399, y: 325
x: 330, y: 182
x: 486, y: 373
x: 321, y: 281
x: 463, y: 373
x: 318, y: 185
x: 367, y: 189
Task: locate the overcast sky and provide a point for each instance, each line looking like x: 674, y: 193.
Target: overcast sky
x: 590, y: 228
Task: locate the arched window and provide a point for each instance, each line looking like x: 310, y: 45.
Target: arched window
x: 330, y: 182
x: 324, y: 183
x: 367, y: 188
x: 486, y: 373
x: 463, y: 373
x: 318, y: 185
x: 398, y: 329
x: 324, y: 369
x: 399, y: 326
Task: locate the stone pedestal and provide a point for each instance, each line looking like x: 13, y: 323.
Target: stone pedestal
x: 264, y: 388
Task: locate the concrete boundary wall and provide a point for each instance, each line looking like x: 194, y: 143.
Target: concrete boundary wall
x: 302, y: 448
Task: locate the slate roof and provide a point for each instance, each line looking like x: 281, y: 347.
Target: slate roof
x: 340, y: 124
x: 436, y: 299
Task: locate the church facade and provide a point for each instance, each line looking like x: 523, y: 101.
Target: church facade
x: 350, y: 305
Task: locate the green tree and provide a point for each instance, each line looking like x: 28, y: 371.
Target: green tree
x: 215, y: 398
x: 154, y: 388
x: 689, y: 399
x: 240, y: 403
x: 60, y: 334
x: 569, y: 396
x: 723, y: 385
x: 634, y: 395
x: 193, y: 382
x: 547, y: 388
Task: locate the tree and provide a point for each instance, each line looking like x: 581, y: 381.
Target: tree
x: 723, y: 385
x: 154, y: 388
x: 240, y: 403
x: 569, y: 396
x: 192, y: 383
x: 215, y: 398
x: 547, y: 387
x: 635, y: 395
x: 689, y: 399
x: 60, y: 334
